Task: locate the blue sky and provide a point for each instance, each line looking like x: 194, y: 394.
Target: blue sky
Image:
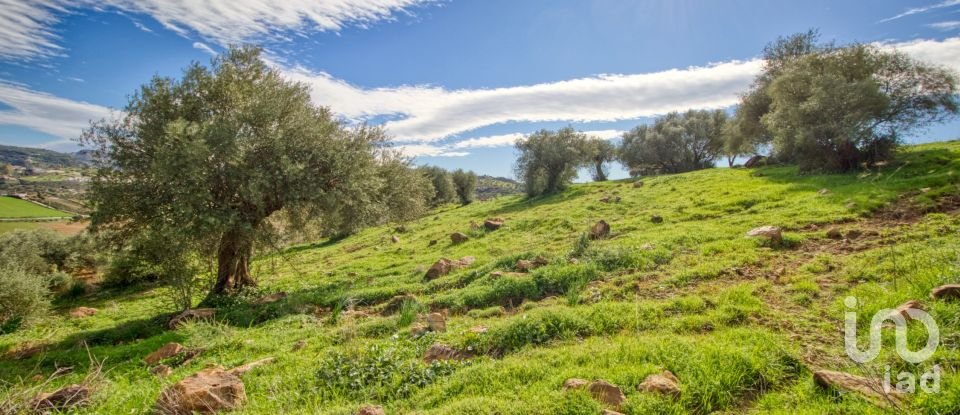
x: 455, y: 82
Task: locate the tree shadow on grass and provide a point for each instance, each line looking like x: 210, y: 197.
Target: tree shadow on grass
x: 554, y: 198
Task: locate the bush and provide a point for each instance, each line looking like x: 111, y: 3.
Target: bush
x: 675, y: 143
x: 23, y: 297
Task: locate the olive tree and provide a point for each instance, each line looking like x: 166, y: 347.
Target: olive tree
x: 675, y: 143
x: 213, y: 156
x: 465, y: 183
x: 549, y: 160
x: 442, y: 182
x: 600, y: 152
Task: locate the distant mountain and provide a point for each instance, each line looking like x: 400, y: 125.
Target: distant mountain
x: 38, y: 157
x: 489, y: 187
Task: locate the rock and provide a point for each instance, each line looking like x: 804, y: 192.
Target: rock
x: 432, y: 242
x: 394, y: 239
x: 665, y: 383
x: 62, y: 399
x: 439, y: 351
x: 524, y: 265
x: 943, y: 292
x: 164, y: 352
x: 493, y: 224
x: 607, y: 393
x: 208, y: 391
x: 371, y: 410
x: 271, y: 298
x: 753, y: 162
x: 834, y: 233
x: 600, y: 230
x: 605, y: 199
x: 396, y: 302
x: 772, y: 233
x: 903, y: 309
x: 299, y: 345
x: 82, y: 312
x: 870, y: 388
x: 656, y: 219
x: 161, y: 370
x: 400, y: 229
x: 458, y: 237
x: 575, y: 383
x: 437, y: 322
x: 419, y: 329
x: 823, y: 192
x: 637, y: 184
x: 466, y: 261
x: 853, y: 234
x: 440, y: 268
x: 191, y: 315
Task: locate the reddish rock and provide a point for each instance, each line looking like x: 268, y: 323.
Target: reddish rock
x: 436, y: 322
x: 458, y: 237
x: 62, y: 399
x: 524, y: 265
x: 600, y: 230
x: 493, y: 224
x: 161, y: 370
x: 903, y: 309
x: 164, y: 352
x: 191, y: 315
x: 943, y: 292
x: 665, y: 383
x: 440, y: 268
x: 772, y: 233
x: 607, y: 393
x: 82, y: 312
x: 208, y: 391
x: 371, y: 410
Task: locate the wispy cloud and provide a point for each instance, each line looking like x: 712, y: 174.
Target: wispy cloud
x: 47, y: 113
x: 458, y: 148
x: 205, y: 48
x: 918, y: 10
x: 946, y: 26
x: 26, y: 29
x: 141, y: 26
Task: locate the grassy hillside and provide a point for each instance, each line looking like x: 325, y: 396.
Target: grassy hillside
x: 741, y: 322
x: 38, y: 156
x: 11, y: 207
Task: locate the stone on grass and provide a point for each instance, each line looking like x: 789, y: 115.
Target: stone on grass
x: 600, y: 230
x: 656, y: 219
x: 437, y: 322
x: 607, y: 393
x: 834, y: 233
x: 161, y: 370
x: 493, y: 224
x: 943, y: 292
x: 665, y: 383
x: 637, y: 184
x: 299, y: 345
x: 191, y: 315
x: 371, y: 410
x: 903, y: 309
x: 64, y: 398
x: 870, y: 388
x: 575, y: 383
x: 208, y: 391
x: 458, y: 237
x: 525, y: 265
x: 394, y: 239
x: 853, y: 234
x: 771, y: 233
x: 164, y: 352
x: 440, y: 268
x: 81, y: 312
x: 271, y: 298
x: 439, y: 351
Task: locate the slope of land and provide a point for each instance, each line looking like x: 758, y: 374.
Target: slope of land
x: 741, y: 322
x: 11, y: 207
x: 39, y: 157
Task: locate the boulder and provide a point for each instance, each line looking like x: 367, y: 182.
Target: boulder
x: 493, y: 224
x: 62, y: 399
x: 772, y: 233
x: 437, y: 322
x: 869, y: 388
x: 271, y: 298
x: 834, y: 233
x: 665, y: 383
x: 208, y: 391
x: 164, y: 352
x: 600, y: 230
x: 439, y: 351
x: 161, y: 371
x: 606, y: 393
x: 371, y: 410
x: 394, y: 239
x: 575, y: 383
x: 943, y: 292
x: 458, y: 237
x: 191, y: 315
x: 656, y: 219
x: 440, y: 268
x: 903, y: 308
x: 82, y: 312
x: 637, y: 184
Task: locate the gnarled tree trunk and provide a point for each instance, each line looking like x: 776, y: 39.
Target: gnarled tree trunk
x: 233, y: 263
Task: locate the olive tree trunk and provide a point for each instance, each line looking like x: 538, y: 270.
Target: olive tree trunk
x: 233, y: 263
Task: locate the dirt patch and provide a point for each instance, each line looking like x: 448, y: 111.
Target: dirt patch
x: 65, y: 228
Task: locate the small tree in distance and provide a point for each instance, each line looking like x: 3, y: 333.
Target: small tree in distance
x: 600, y: 152
x: 675, y: 143
x: 442, y: 181
x: 465, y: 183
x: 549, y: 160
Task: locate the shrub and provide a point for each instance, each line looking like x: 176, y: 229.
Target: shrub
x: 23, y: 297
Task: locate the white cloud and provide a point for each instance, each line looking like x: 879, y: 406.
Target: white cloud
x: 418, y: 150
x: 205, y: 48
x: 47, y: 113
x: 918, y: 10
x: 25, y: 29
x: 941, y: 52
x: 946, y: 26
x: 26, y: 25
x: 504, y: 140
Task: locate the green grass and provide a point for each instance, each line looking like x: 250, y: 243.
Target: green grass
x: 16, y: 208
x: 10, y: 226
x: 742, y: 323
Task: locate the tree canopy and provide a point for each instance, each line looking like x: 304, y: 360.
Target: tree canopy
x: 675, y: 143
x: 549, y: 160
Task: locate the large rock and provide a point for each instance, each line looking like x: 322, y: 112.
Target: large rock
x: 870, y: 388
x: 943, y: 292
x: 665, y: 383
x: 440, y: 268
x: 439, y: 351
x: 191, y: 315
x: 62, y: 399
x: 600, y: 230
x: 208, y: 391
x: 458, y: 237
x: 164, y: 352
x: 606, y: 393
x: 436, y: 322
x: 493, y: 224
x: 371, y: 410
x: 82, y: 312
x: 772, y: 233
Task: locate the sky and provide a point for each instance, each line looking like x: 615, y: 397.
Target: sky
x: 454, y: 82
